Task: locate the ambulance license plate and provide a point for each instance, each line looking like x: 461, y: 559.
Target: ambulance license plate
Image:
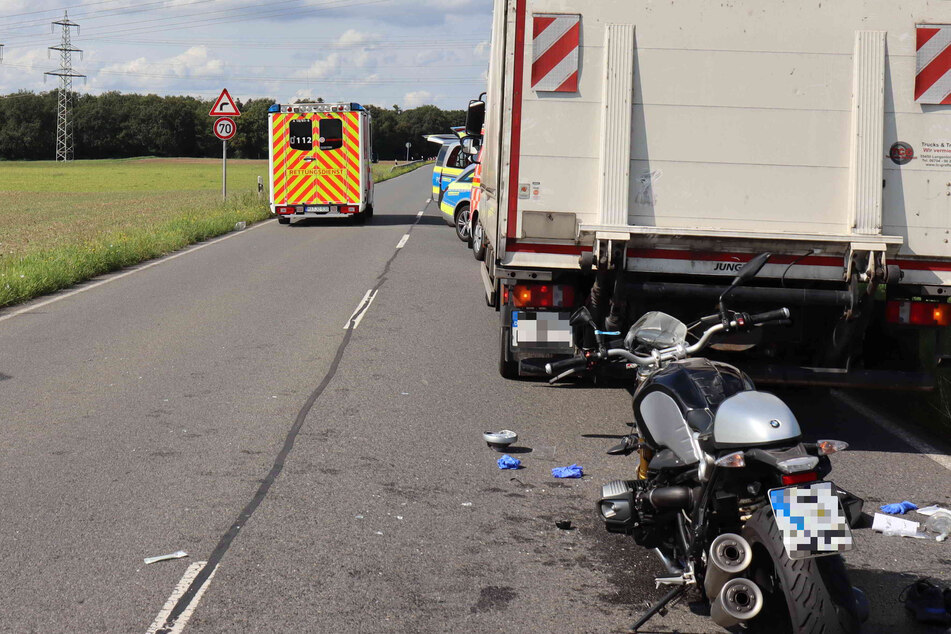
x: 318, y: 209
x: 811, y: 520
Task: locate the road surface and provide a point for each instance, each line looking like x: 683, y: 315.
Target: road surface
x: 222, y: 402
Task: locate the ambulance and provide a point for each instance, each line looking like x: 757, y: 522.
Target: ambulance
x: 319, y: 161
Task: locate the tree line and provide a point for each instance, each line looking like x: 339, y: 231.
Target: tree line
x: 119, y: 125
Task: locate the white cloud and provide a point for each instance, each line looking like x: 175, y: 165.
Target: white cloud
x: 417, y: 98
x: 194, y: 61
x: 481, y: 49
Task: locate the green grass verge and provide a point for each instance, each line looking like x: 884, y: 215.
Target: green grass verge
x: 64, y: 224
x: 45, y: 271
x: 385, y: 170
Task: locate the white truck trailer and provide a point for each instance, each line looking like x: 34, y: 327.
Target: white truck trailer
x: 637, y: 153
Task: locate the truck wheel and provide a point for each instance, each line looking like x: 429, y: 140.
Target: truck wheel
x: 805, y: 596
x: 462, y: 222
x: 478, y: 242
x: 369, y: 211
x: 508, y: 369
x: 284, y: 221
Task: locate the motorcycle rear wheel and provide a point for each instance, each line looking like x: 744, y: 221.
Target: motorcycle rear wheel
x: 804, y: 596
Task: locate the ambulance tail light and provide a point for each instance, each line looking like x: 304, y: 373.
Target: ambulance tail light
x: 349, y: 209
x: 284, y: 209
x: 913, y: 313
x: 543, y: 296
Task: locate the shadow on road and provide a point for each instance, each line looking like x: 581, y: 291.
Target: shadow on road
x: 888, y: 613
x: 381, y: 220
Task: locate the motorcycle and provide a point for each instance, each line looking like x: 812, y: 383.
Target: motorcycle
x: 726, y: 493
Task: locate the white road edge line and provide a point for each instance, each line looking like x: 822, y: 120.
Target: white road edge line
x: 190, y: 573
x: 402, y: 241
x: 420, y: 213
x: 57, y: 298
x: 924, y: 447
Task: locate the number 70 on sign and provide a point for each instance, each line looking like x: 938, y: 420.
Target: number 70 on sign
x: 225, y: 128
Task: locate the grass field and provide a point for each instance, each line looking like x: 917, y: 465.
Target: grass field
x: 62, y: 224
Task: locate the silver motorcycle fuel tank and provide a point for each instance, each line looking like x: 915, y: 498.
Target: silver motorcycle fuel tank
x: 754, y: 418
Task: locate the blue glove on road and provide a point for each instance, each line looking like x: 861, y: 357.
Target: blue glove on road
x: 574, y: 471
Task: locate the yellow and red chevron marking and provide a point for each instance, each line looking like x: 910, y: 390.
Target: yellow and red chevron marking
x: 351, y: 144
x: 280, y: 148
x: 329, y: 170
x: 332, y: 176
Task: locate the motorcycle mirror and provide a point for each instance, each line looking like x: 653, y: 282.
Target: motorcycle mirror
x: 580, y: 317
x: 747, y: 272
x: 750, y: 270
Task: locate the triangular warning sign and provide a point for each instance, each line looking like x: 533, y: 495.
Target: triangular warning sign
x: 224, y: 106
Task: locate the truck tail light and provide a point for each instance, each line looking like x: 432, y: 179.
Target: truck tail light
x: 918, y: 313
x: 543, y: 296
x: 284, y: 209
x: 350, y: 209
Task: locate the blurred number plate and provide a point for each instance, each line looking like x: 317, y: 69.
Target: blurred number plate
x: 541, y: 331
x: 811, y: 520
x: 320, y: 209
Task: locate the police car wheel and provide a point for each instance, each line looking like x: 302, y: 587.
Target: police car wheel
x: 462, y: 222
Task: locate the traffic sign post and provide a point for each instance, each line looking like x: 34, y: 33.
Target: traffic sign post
x: 224, y: 128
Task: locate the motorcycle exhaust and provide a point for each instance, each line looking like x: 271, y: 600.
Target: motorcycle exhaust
x: 739, y: 600
x: 730, y: 555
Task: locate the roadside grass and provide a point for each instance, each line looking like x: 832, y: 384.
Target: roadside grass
x: 385, y: 170
x: 63, y: 224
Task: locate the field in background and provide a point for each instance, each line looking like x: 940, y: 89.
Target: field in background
x: 62, y: 224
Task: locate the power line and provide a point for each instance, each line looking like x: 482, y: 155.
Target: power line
x: 236, y: 14
x: 64, y: 123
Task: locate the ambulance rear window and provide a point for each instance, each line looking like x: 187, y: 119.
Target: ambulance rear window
x: 331, y: 134
x: 300, y: 133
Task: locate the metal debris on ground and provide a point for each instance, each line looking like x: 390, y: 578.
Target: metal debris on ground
x: 176, y: 555
x: 564, y: 525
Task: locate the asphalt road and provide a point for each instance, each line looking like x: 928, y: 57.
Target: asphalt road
x: 336, y: 478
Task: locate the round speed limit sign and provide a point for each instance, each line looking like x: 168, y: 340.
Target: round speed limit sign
x: 225, y: 128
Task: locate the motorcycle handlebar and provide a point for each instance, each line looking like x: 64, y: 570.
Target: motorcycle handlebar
x: 564, y: 364
x: 779, y: 314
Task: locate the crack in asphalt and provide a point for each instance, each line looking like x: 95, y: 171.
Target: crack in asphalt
x: 224, y: 542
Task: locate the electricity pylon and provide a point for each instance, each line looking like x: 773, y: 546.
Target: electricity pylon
x: 64, y: 124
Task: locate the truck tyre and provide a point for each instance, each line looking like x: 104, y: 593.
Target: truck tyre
x: 369, y: 211
x: 283, y: 220
x: 462, y: 222
x: 508, y: 369
x: 478, y: 241
x: 804, y: 596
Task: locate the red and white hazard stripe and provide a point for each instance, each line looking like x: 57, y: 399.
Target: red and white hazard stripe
x: 555, y: 41
x: 933, y: 67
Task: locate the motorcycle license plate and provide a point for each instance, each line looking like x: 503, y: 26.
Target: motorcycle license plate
x: 811, y: 520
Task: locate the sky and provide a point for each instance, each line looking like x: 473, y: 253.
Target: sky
x: 383, y: 52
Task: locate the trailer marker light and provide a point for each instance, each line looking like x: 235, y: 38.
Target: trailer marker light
x: 918, y: 313
x: 544, y: 296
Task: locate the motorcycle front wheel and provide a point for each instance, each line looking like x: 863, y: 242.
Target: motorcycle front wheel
x: 804, y: 596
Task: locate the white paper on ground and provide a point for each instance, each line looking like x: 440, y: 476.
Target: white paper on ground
x: 890, y: 525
